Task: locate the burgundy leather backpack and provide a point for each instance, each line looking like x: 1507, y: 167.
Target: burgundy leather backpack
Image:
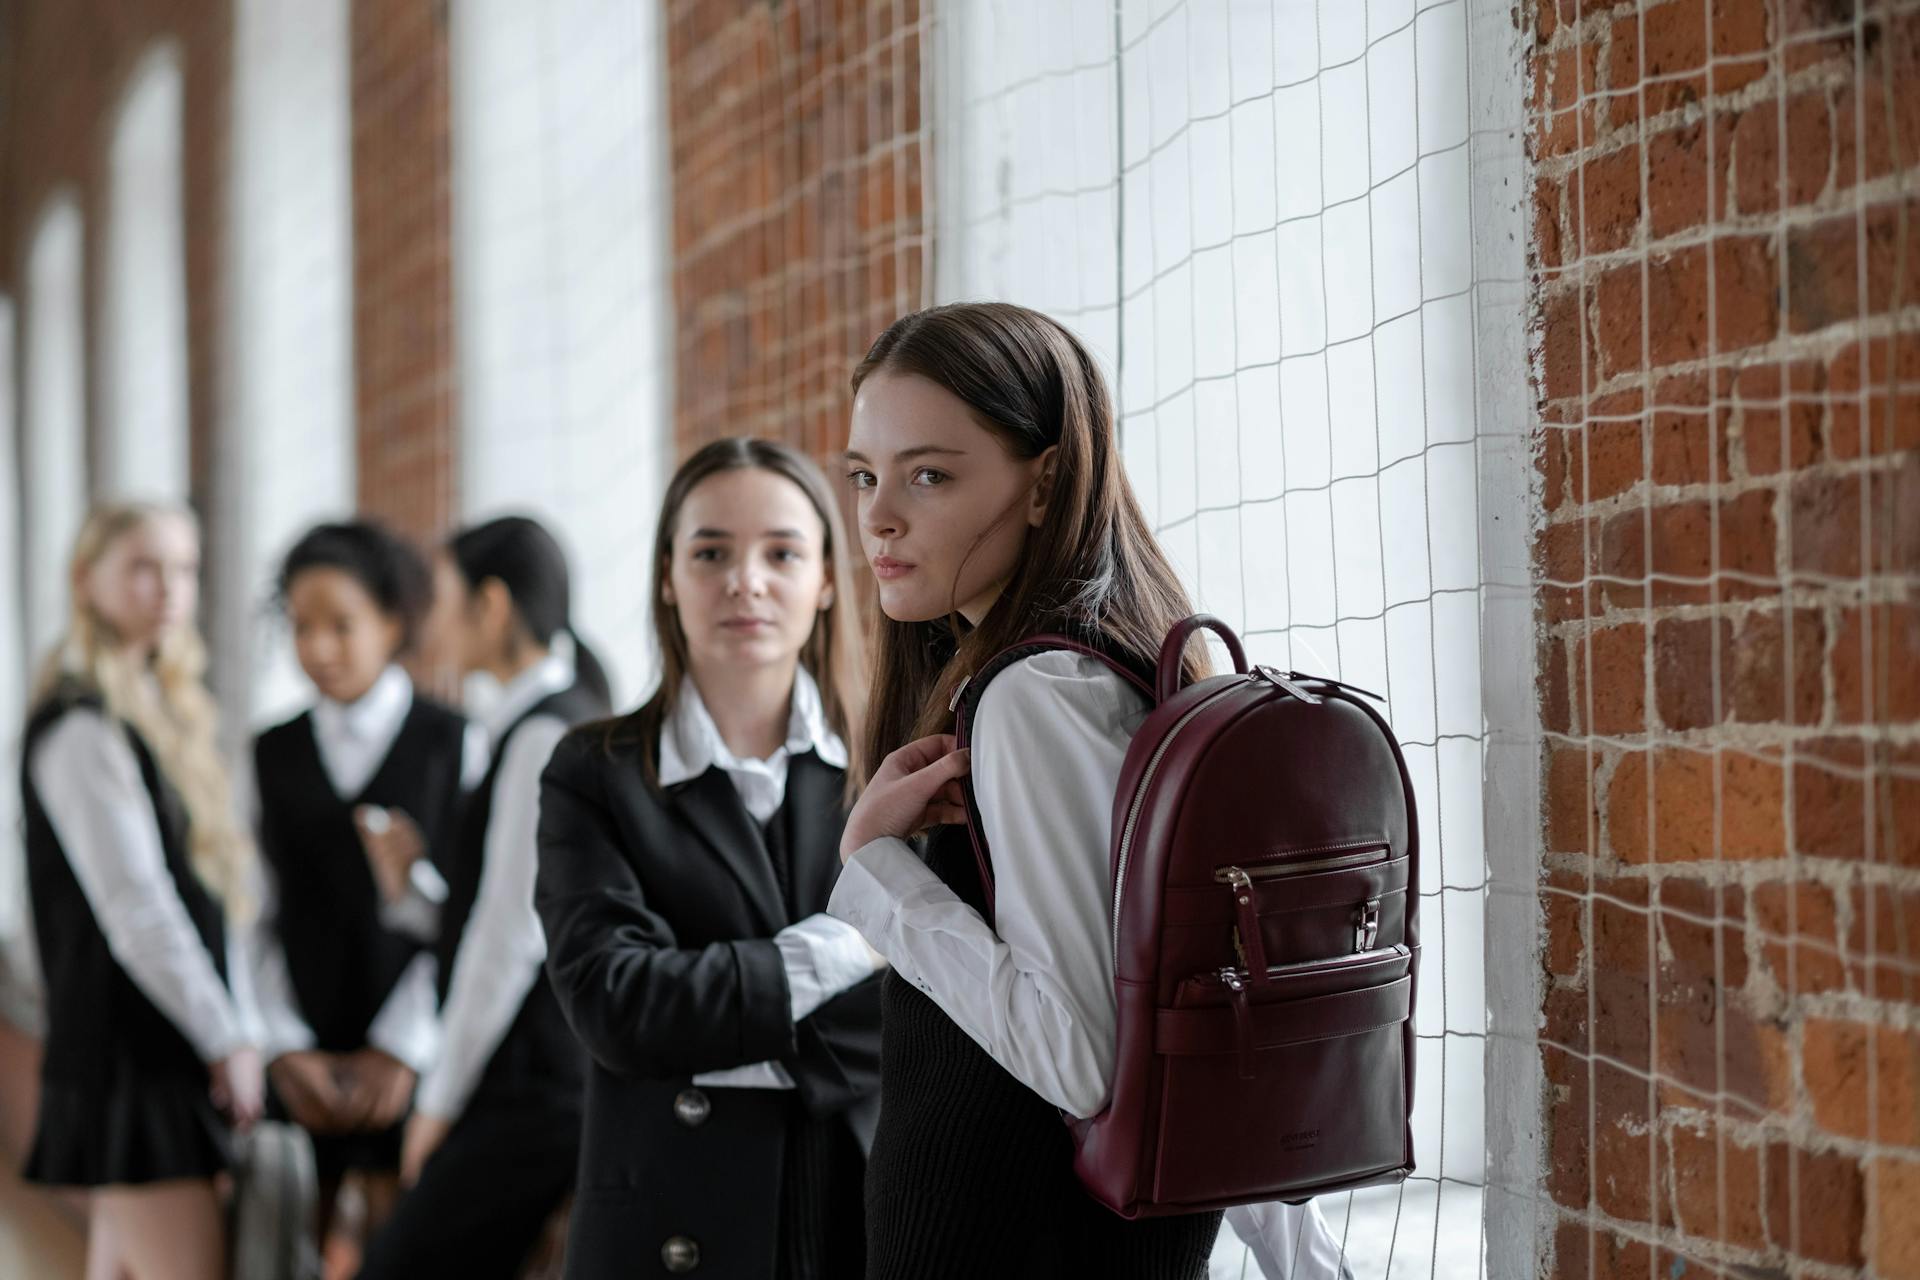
x: 1264, y: 911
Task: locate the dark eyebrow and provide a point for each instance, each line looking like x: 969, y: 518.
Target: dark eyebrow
x: 906, y: 455
x: 711, y: 533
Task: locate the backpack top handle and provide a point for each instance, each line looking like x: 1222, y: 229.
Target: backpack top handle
x: 1168, y: 682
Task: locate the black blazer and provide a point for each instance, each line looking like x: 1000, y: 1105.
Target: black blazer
x: 660, y: 910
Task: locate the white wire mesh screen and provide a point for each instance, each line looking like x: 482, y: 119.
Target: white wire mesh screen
x: 143, y: 331
x: 1259, y: 214
x: 286, y: 453
x: 54, y: 426
x: 561, y: 226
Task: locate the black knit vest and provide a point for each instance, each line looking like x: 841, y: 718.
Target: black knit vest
x: 971, y: 1172
x: 101, y: 1026
x: 343, y: 962
x: 538, y: 1060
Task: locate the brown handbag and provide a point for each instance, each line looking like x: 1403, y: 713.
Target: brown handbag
x: 1265, y: 899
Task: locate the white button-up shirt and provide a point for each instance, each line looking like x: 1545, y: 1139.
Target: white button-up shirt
x: 502, y: 947
x: 822, y: 956
x: 88, y: 781
x: 1035, y: 988
x: 353, y: 741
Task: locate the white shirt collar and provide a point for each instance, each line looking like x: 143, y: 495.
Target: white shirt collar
x: 690, y: 743
x: 375, y: 716
x: 550, y: 675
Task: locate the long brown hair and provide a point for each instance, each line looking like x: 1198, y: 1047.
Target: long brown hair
x: 1091, y: 568
x: 833, y: 652
x: 172, y: 712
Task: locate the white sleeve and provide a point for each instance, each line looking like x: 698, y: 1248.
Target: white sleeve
x: 407, y: 1027
x: 1049, y: 741
x: 823, y: 957
x: 499, y: 957
x: 1289, y: 1241
x: 89, y: 783
x: 282, y: 1028
x: 475, y: 757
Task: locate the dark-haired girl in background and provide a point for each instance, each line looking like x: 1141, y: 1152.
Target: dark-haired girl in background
x: 491, y: 1148
x: 346, y: 990
x: 686, y: 854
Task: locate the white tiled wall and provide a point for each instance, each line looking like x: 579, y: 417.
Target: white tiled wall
x: 54, y: 417
x: 561, y: 229
x: 143, y: 330
x: 286, y: 455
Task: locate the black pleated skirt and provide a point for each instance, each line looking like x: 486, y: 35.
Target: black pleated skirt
x: 126, y: 1131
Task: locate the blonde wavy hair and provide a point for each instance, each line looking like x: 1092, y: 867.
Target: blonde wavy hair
x: 173, y: 712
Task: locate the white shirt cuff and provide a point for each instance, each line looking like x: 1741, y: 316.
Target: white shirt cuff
x: 418, y: 913
x: 882, y: 878
x: 823, y: 957
x: 755, y: 1075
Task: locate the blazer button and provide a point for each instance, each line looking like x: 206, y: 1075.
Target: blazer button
x: 680, y: 1255
x: 691, y: 1108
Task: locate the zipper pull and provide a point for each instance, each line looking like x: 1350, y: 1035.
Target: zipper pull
x: 1242, y: 1019
x: 1248, y: 943
x: 953, y: 703
x: 1366, y: 925
x: 1278, y: 680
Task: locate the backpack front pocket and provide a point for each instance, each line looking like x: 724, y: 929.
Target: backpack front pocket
x: 1263, y: 1078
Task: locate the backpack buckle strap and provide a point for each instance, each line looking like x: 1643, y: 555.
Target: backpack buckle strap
x: 1242, y: 1020
x: 1366, y: 925
x: 1251, y: 947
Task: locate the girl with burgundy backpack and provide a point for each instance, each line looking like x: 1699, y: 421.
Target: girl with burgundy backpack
x: 1152, y: 949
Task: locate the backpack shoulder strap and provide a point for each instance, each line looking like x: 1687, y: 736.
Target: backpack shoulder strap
x: 966, y: 701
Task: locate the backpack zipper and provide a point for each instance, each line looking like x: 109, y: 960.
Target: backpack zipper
x: 1139, y: 799
x: 1227, y: 975
x: 1231, y: 875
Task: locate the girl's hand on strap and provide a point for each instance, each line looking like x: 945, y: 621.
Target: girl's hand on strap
x: 916, y: 787
x: 393, y: 843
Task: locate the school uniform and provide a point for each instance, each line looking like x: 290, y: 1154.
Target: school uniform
x: 334, y: 973
x: 143, y: 990
x: 733, y: 1028
x: 991, y: 1031
x: 510, y: 1072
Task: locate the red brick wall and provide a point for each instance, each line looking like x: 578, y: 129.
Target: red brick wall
x: 403, y: 264
x: 66, y: 71
x: 799, y: 227
x: 1729, y: 551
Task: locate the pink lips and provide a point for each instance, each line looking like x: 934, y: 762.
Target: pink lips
x: 886, y: 568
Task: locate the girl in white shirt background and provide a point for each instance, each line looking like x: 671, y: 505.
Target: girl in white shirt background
x: 347, y: 991
x: 490, y: 1149
x: 993, y: 506
x: 687, y: 851
x: 137, y: 869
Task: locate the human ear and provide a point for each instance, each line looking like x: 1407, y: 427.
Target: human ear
x: 1043, y: 488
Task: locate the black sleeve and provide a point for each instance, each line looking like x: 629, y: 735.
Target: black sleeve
x: 837, y: 1058
x: 641, y: 1004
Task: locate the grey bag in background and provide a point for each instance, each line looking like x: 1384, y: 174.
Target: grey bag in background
x: 276, y: 1194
